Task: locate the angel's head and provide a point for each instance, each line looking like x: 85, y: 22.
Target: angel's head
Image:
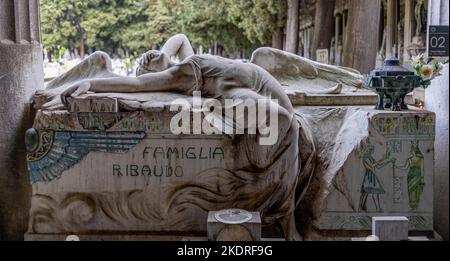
x: 155, y: 61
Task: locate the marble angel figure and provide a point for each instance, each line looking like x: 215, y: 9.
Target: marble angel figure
x: 89, y: 76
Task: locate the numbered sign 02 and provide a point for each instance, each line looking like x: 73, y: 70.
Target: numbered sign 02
x: 438, y: 41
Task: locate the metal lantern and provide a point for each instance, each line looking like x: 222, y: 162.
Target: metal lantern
x: 392, y: 82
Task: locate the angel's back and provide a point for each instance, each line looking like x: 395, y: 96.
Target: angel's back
x: 219, y: 74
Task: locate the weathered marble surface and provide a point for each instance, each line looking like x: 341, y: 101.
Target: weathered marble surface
x: 106, y: 184
x: 349, y: 96
x: 111, y: 185
x: 148, y: 112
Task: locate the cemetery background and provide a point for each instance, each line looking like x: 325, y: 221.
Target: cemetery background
x: 296, y: 26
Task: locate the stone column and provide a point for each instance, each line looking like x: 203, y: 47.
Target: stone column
x: 408, y: 33
x: 344, y: 26
x: 437, y: 100
x: 21, y: 72
x: 338, y: 19
x: 392, y: 21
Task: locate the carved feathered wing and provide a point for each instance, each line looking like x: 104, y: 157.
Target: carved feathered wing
x: 60, y: 151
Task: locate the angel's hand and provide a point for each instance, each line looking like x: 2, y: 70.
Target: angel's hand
x: 54, y: 104
x: 147, y: 58
x: 74, y: 91
x: 141, y: 71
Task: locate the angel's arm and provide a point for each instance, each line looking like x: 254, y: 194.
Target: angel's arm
x: 178, y: 45
x: 173, y: 79
x: 177, y: 79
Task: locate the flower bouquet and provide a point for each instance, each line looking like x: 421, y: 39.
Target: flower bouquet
x: 427, y: 69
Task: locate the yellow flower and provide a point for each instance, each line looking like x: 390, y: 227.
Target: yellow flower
x: 426, y: 72
x: 418, y: 60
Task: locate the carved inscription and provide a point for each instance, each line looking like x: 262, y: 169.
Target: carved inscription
x: 168, y: 161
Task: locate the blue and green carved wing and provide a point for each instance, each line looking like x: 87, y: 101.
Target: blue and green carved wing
x: 55, y: 152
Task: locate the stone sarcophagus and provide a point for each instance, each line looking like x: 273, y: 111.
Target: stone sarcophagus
x: 389, y: 175
x: 104, y: 174
x: 106, y: 160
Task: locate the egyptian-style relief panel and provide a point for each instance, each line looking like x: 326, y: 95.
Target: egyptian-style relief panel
x: 390, y: 175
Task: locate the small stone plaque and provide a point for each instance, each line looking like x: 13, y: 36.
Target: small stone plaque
x: 234, y: 225
x: 390, y: 228
x: 322, y: 56
x: 233, y: 216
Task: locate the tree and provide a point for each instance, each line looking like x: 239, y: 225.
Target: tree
x: 260, y: 20
x: 61, y: 23
x: 277, y: 38
x: 122, y: 27
x: 362, y: 32
x: 323, y: 25
x: 115, y: 26
x: 292, y: 26
x: 208, y: 23
x: 162, y: 22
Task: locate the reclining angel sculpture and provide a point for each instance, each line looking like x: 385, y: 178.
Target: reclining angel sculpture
x: 266, y: 66
x: 276, y: 177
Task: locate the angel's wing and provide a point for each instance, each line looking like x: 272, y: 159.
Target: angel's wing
x: 59, y: 151
x: 96, y: 65
x: 290, y: 69
x: 281, y: 64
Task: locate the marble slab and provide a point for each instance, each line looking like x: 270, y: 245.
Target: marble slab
x: 109, y: 173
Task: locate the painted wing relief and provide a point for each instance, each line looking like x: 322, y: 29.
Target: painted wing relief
x: 51, y: 153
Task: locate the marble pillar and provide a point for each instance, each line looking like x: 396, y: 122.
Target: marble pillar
x: 392, y: 21
x: 408, y: 30
x: 437, y: 100
x: 21, y: 72
x: 344, y: 26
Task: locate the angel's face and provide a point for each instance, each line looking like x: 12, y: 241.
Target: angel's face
x: 155, y: 61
